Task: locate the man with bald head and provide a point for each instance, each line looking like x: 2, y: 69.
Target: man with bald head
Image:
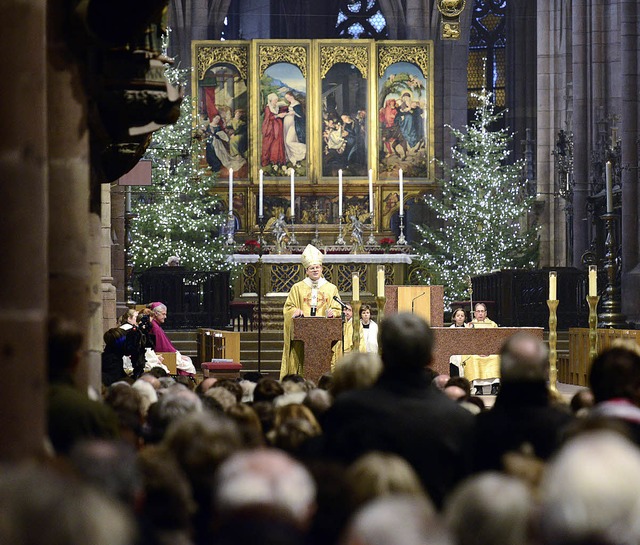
x: 523, y: 418
x: 403, y: 413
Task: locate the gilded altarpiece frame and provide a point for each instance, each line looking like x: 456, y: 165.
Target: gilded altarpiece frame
x: 222, y: 116
x: 354, y: 79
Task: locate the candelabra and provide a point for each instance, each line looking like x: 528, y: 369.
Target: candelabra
x: 355, y: 307
x: 231, y: 227
x: 401, y: 239
x: 292, y: 235
x: 371, y: 241
x: 553, y: 343
x: 340, y: 240
x: 593, y: 325
x: 611, y: 303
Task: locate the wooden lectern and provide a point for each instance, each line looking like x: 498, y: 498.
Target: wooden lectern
x: 425, y: 301
x: 318, y: 335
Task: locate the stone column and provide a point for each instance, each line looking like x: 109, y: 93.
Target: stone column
x: 581, y: 123
x: 68, y: 140
x: 630, y: 86
x: 23, y: 223
x: 109, y: 312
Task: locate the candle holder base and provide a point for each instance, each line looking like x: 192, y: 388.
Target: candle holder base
x: 292, y: 238
x: 231, y: 225
x: 401, y: 240
x: 553, y: 343
x: 356, y: 304
x: 340, y: 240
x: 592, y: 300
x: 380, y: 303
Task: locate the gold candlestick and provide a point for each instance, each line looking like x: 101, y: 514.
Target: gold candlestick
x: 553, y: 343
x: 355, y: 321
x: 380, y: 302
x: 593, y: 325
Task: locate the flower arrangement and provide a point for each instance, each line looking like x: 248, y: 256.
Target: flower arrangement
x: 386, y: 243
x: 251, y: 246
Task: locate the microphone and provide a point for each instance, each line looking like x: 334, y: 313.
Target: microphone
x: 337, y: 300
x: 416, y: 297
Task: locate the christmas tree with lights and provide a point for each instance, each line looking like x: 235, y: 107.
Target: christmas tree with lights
x: 483, y: 209
x: 179, y: 214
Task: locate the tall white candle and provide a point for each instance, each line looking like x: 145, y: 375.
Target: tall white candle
x: 609, y: 178
x: 293, y: 195
x: 380, y: 280
x: 553, y: 276
x: 355, y: 287
x: 593, y: 280
x: 260, y: 194
x: 230, y: 191
x: 371, y: 192
x: 340, y: 193
x: 401, y: 192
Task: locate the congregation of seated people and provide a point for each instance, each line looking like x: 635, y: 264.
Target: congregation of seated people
x: 382, y: 451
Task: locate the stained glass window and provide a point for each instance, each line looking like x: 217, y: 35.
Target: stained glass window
x: 361, y: 19
x: 487, y: 44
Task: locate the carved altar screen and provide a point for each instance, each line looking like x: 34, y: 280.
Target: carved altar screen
x: 317, y: 107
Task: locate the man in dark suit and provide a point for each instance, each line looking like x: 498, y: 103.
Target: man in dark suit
x: 403, y: 413
x: 523, y: 418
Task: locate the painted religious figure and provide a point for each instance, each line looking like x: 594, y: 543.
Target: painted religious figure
x: 344, y: 121
x: 402, y: 122
x: 222, y: 119
x: 284, y: 126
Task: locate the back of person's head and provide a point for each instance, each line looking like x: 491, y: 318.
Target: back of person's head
x: 581, y: 402
x: 406, y: 342
x: 265, y: 477
x: 168, y: 504
x: 396, y: 519
x: 248, y: 423
x: 64, y: 344
x: 325, y: 381
x: 200, y: 442
x: 110, y: 466
x: 173, y: 405
x: 615, y: 373
x: 39, y: 506
x: 266, y: 412
x: 589, y: 493
x: 127, y: 403
x: 114, y: 336
x: 222, y: 397
x: 318, y: 401
x: 440, y: 381
x: 356, y: 371
x: 232, y: 386
x: 461, y: 382
x: 267, y: 389
x: 378, y: 474
x: 524, y: 358
x: 489, y: 508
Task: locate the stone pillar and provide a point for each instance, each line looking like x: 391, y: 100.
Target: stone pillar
x: 581, y: 123
x: 553, y: 37
x: 109, y: 312
x: 630, y: 124
x: 23, y: 222
x: 68, y: 140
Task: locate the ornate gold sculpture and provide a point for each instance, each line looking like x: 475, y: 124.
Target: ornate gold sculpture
x: 593, y: 325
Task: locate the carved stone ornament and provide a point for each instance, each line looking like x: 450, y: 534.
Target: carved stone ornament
x: 450, y: 22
